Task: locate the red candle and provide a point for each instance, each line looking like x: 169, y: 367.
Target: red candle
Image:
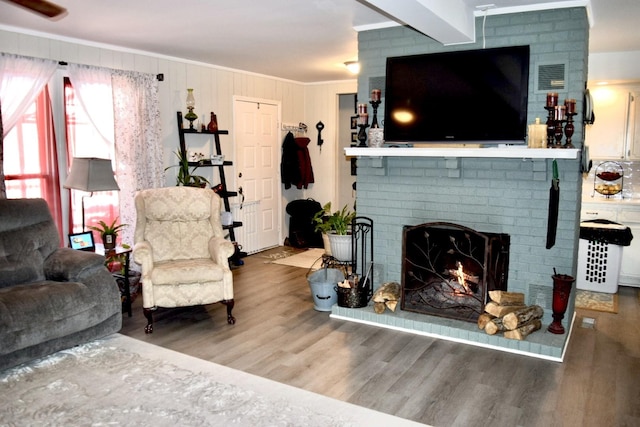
x: 375, y: 94
x: 552, y: 99
x: 364, y: 119
x: 570, y: 105
x: 362, y: 109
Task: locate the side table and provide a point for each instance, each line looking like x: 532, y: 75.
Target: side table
x: 126, y: 252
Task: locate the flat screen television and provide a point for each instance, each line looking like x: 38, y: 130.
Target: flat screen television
x: 474, y: 96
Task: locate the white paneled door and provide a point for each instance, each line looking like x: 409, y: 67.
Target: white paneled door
x: 257, y: 156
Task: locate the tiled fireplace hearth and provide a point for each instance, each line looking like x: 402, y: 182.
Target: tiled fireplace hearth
x: 502, y: 195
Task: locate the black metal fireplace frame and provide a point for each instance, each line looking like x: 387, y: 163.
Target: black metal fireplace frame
x: 420, y: 275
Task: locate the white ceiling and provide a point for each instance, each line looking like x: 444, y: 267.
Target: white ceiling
x: 300, y: 40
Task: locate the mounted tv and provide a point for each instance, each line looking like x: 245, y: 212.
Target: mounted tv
x: 476, y: 96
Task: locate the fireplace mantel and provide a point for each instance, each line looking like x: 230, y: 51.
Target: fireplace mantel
x: 455, y: 152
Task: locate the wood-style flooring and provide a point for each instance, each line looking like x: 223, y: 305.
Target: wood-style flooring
x: 278, y: 335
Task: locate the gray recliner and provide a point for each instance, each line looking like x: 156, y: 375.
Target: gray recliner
x: 51, y: 298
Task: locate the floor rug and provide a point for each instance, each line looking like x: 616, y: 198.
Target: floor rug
x: 597, y: 301
x: 279, y: 255
x: 306, y: 259
x: 123, y: 381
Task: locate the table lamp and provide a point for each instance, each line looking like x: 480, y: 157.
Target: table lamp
x: 90, y: 174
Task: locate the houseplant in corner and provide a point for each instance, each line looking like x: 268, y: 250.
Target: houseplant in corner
x: 185, y: 175
x: 108, y: 233
x: 337, y: 227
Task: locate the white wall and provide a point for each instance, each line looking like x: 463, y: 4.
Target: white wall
x: 214, y: 89
x: 323, y: 106
x: 614, y: 66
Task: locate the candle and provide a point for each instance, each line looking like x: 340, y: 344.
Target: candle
x: 552, y: 99
x: 375, y: 94
x: 362, y: 109
x: 363, y: 119
x: 560, y: 109
x: 570, y: 105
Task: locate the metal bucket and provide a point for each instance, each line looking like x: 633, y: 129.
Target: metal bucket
x: 323, y: 287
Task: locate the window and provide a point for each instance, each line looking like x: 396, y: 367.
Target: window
x: 30, y: 160
x: 83, y: 140
x: 31, y: 164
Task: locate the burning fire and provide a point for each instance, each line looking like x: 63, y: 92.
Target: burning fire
x: 460, y: 276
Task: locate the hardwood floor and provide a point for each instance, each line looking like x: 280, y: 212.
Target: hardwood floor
x: 279, y: 336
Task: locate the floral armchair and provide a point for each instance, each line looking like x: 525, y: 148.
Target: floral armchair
x: 180, y: 246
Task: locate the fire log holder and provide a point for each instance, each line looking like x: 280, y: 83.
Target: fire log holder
x: 361, y: 264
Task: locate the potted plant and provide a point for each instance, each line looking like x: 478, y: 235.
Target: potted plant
x: 108, y: 233
x: 186, y: 175
x: 336, y: 226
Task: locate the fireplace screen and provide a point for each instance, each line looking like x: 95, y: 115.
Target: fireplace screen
x: 448, y: 269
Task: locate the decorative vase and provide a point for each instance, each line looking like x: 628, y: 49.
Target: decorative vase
x: 213, y: 124
x: 340, y: 246
x: 562, y: 284
x: 376, y: 137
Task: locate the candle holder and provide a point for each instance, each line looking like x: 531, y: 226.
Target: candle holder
x: 362, y: 135
x: 551, y: 126
x: 374, y: 121
x: 562, y: 284
x: 558, y: 133
x: 569, y: 128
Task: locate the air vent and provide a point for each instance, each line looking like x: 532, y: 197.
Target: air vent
x: 551, y: 77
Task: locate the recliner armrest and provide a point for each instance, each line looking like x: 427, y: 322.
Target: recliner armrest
x: 143, y: 255
x: 66, y: 264
x: 221, y: 249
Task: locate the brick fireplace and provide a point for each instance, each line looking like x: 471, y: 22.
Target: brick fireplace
x: 495, y: 191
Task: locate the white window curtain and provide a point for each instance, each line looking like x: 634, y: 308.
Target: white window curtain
x: 134, y: 126
x: 92, y: 86
x: 139, y: 150
x: 21, y: 80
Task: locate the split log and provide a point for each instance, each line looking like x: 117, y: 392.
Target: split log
x: 494, y: 326
x: 501, y: 310
x: 507, y: 298
x: 391, y: 305
x: 518, y: 318
x: 386, y: 295
x: 467, y: 277
x: 378, y: 307
x: 483, y: 319
x: 524, y: 330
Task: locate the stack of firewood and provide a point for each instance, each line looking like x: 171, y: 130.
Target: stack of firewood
x: 386, y: 296
x: 507, y: 313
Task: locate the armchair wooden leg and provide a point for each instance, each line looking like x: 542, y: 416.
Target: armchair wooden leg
x: 229, y: 303
x: 148, y: 314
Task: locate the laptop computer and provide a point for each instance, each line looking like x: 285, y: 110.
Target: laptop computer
x: 82, y: 241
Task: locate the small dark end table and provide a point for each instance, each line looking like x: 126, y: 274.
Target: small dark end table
x: 126, y: 252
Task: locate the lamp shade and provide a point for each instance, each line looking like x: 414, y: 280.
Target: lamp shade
x: 91, y: 174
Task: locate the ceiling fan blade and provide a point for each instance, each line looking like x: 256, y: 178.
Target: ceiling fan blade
x: 42, y: 7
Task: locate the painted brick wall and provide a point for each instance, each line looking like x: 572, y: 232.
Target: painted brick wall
x: 493, y: 195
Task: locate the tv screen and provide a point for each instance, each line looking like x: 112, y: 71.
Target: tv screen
x: 476, y: 96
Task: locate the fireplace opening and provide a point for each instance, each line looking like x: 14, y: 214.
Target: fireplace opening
x: 448, y: 269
